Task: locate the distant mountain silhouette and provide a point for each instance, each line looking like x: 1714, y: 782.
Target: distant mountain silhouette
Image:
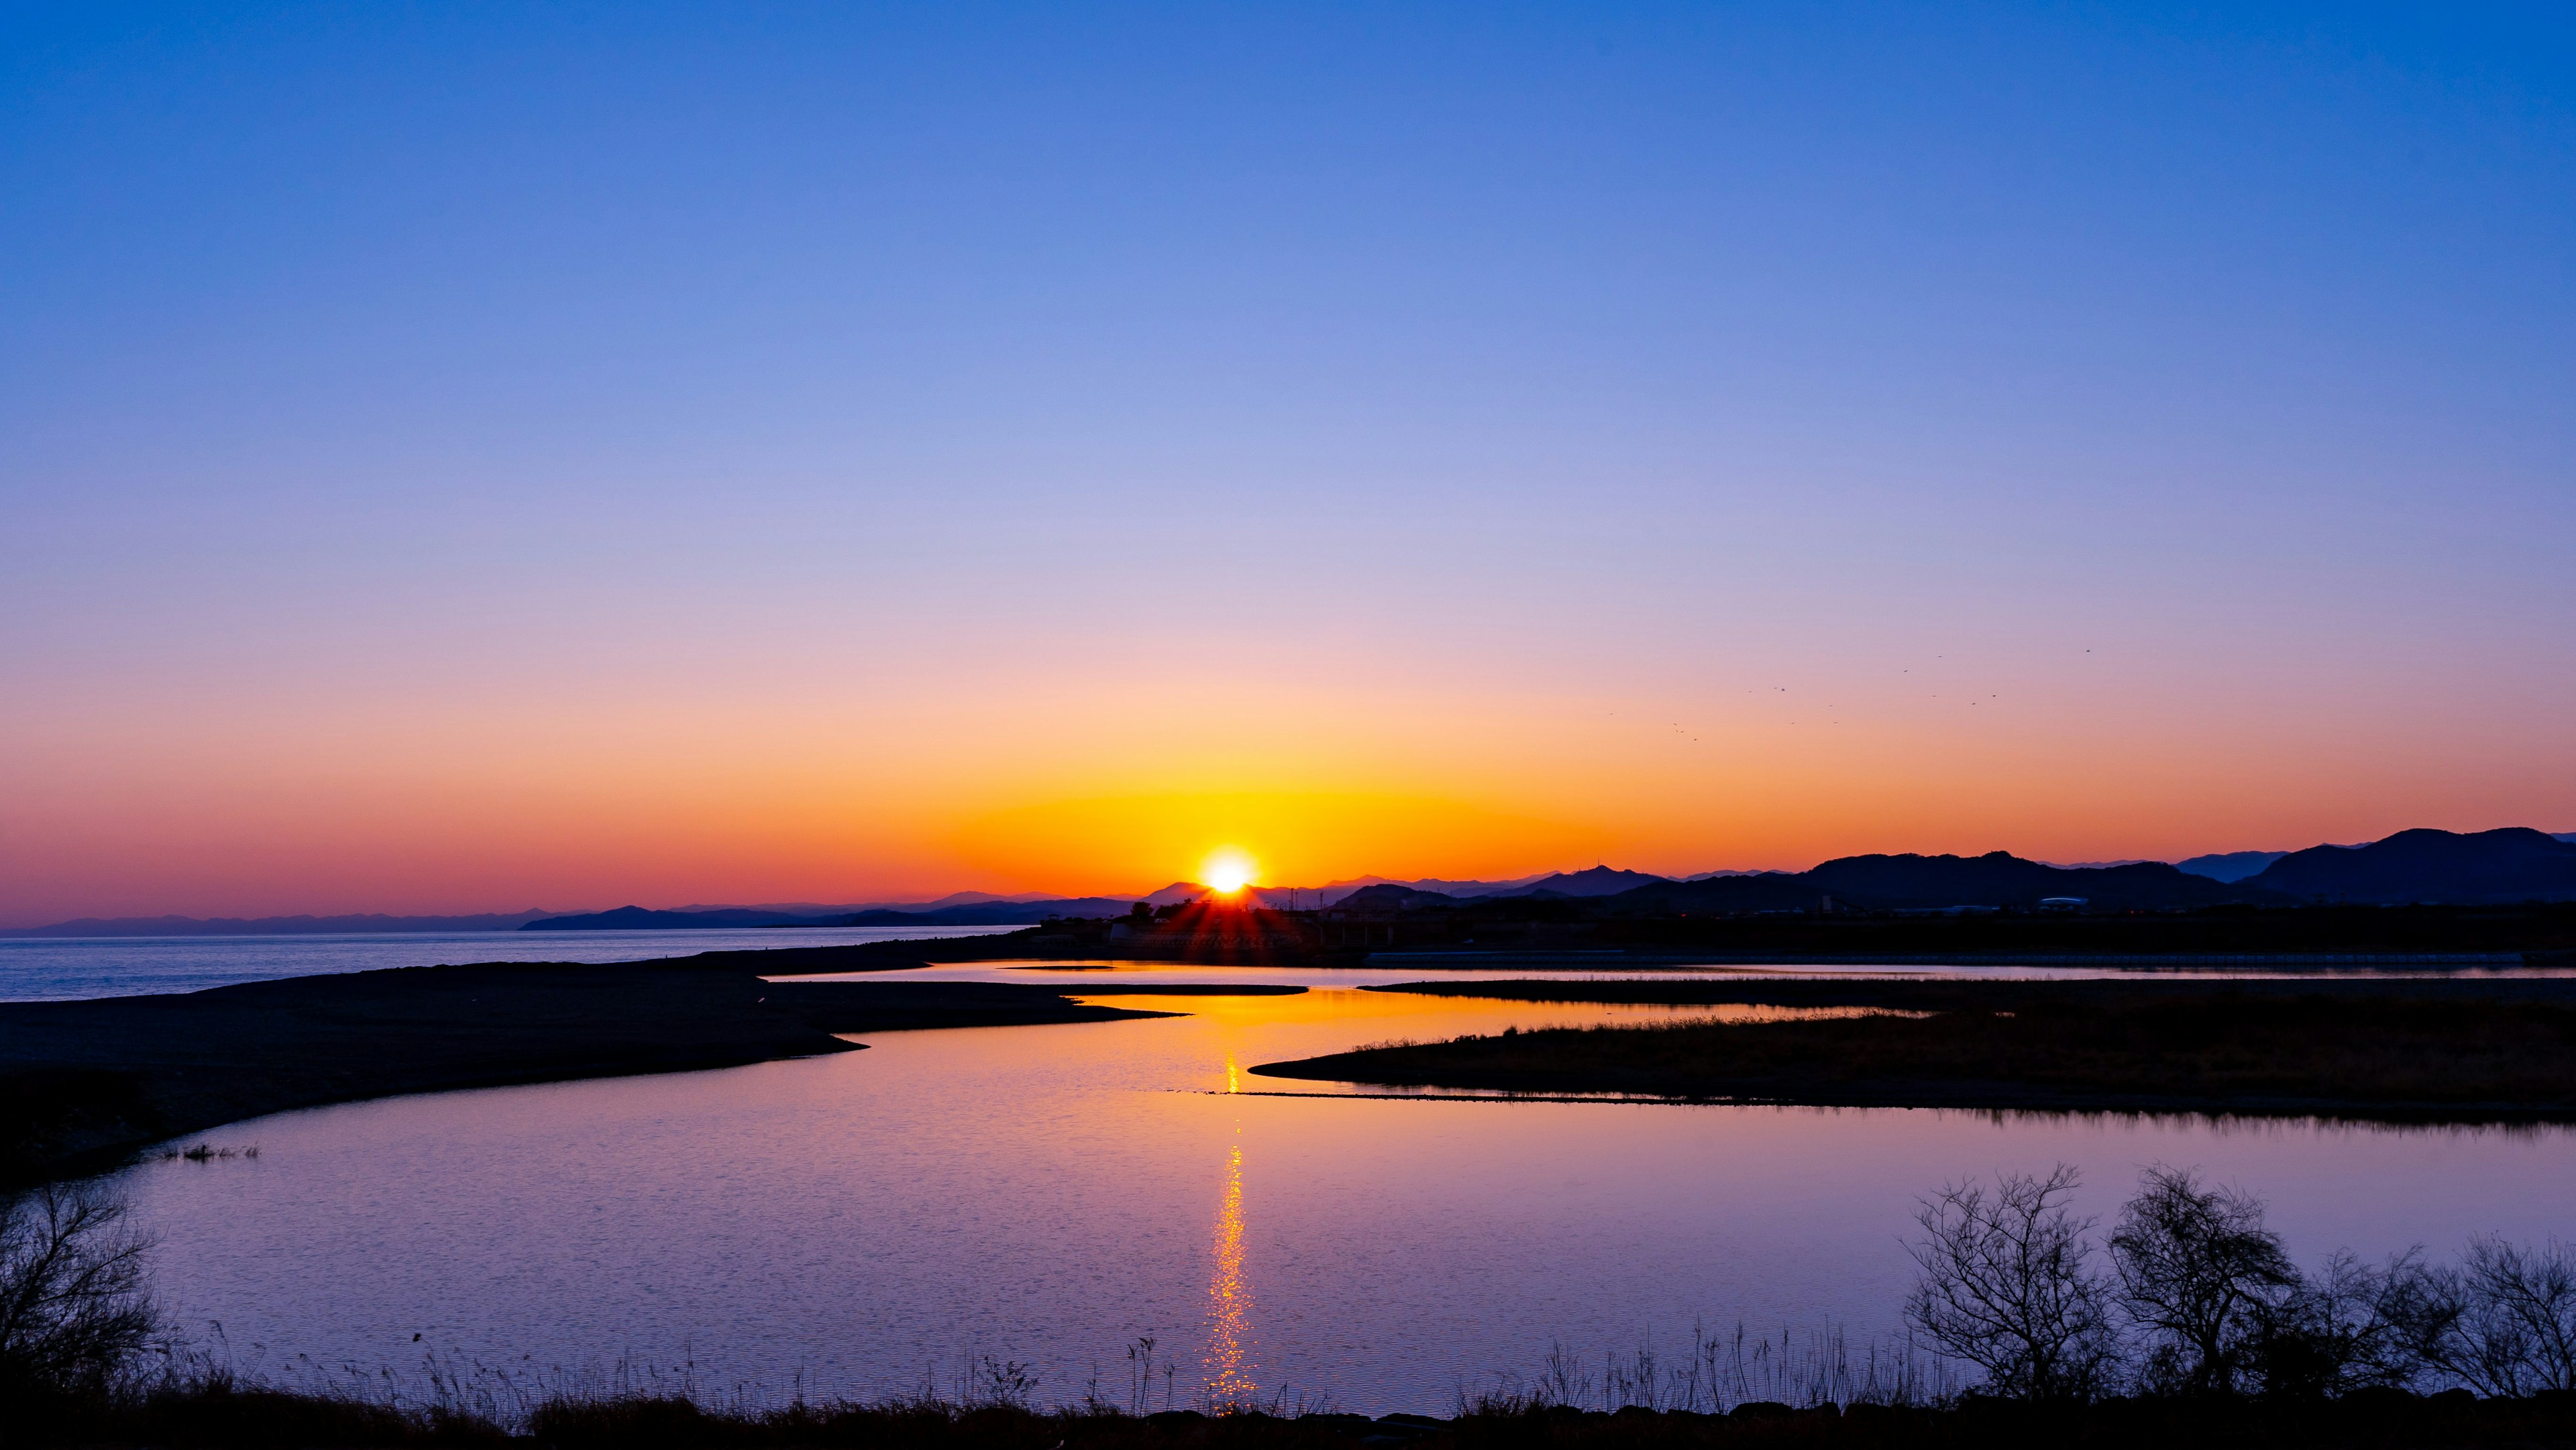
x: 1592, y: 881
x: 1910, y: 882
x: 2097, y: 865
x: 1333, y: 891
x: 638, y: 918
x: 2229, y: 865
x: 979, y: 913
x: 995, y: 913
x: 2420, y: 865
x: 1394, y: 896
x: 2513, y: 864
x: 1999, y: 878
x: 844, y: 908
x: 274, y: 925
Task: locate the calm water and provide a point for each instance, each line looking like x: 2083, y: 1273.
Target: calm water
x: 1050, y: 1194
x: 37, y: 969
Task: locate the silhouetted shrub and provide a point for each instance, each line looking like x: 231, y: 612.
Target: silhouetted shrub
x: 73, y: 1309
x: 2504, y: 1320
x: 2007, y: 1286
x: 2201, y: 1278
x: 2349, y: 1328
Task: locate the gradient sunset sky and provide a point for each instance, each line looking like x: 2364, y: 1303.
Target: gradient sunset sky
x: 471, y: 457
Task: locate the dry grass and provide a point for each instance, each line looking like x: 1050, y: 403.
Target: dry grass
x: 2221, y: 1052
x: 228, y: 1416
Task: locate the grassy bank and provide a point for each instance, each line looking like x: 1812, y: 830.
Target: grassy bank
x: 227, y: 1416
x: 2062, y: 1046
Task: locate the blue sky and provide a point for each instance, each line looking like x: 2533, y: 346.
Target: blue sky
x: 1475, y: 362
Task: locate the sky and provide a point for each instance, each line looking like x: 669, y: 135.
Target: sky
x: 468, y: 457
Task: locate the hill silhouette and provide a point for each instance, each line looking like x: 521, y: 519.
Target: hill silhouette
x: 2230, y: 865
x: 2513, y: 864
x: 1334, y: 891
x: 989, y: 912
x: 350, y: 925
x: 992, y: 913
x: 640, y: 918
x: 1592, y: 881
x: 2415, y: 866
x: 1394, y: 896
x: 1923, y: 883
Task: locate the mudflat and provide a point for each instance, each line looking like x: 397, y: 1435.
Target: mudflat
x: 2463, y: 1051
x: 84, y: 1082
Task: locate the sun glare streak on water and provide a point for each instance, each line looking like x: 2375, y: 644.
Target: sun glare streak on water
x: 1230, y: 1293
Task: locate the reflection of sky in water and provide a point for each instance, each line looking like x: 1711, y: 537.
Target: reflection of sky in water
x: 1052, y: 1194
x: 1323, y: 1019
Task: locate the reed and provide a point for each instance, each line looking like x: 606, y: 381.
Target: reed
x: 221, y: 1413
x: 1720, y: 1373
x: 206, y: 1153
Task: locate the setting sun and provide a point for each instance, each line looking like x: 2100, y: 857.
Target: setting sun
x: 1228, y: 871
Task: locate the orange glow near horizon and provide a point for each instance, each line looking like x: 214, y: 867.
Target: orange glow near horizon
x: 855, y: 504
x: 305, y: 804
x: 1145, y: 840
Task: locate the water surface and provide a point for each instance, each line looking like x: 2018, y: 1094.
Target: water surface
x: 1052, y: 1194
x: 37, y: 969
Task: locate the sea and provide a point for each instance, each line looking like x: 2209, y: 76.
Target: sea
x: 48, y: 969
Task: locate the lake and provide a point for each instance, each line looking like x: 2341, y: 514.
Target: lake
x: 867, y: 1223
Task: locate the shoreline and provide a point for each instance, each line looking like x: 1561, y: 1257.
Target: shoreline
x: 2411, y: 1051
x: 85, y: 1084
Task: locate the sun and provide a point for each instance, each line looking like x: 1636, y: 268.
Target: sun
x: 1228, y: 871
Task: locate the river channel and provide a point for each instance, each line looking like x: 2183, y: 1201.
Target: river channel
x: 880, y: 1221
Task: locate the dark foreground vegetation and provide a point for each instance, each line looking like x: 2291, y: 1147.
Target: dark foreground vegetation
x: 84, y: 1082
x: 247, y: 1419
x: 2500, y: 1050
x: 2187, y: 1323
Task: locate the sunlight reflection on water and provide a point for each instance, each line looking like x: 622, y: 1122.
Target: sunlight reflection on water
x: 1044, y: 1194
x: 1230, y: 1295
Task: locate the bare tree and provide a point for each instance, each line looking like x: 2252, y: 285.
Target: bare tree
x: 73, y: 1308
x: 2349, y: 1326
x: 2505, y: 1319
x: 2200, y: 1273
x: 2007, y: 1286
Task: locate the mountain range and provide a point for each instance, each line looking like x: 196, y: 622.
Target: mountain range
x: 1878, y: 883
x: 370, y: 922
x: 2421, y: 866
x: 2512, y: 864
